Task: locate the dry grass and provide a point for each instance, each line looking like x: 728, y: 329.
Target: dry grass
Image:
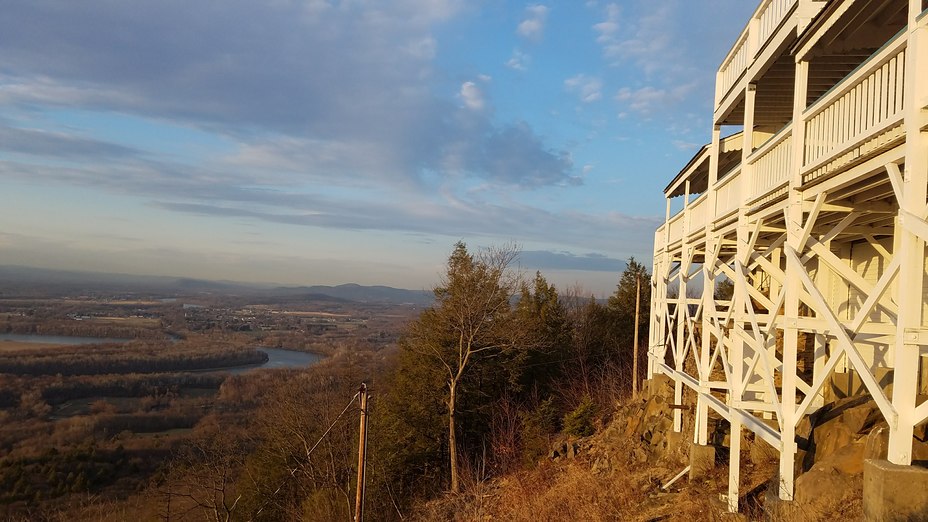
x: 571, y: 491
x: 134, y: 322
x: 628, y: 489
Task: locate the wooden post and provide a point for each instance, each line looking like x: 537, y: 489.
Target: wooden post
x: 908, y: 344
x: 635, y: 348
x: 362, y: 449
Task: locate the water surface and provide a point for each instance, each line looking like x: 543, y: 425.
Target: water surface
x: 279, y: 358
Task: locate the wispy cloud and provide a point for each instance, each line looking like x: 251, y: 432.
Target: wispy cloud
x: 45, y: 143
x: 563, y: 260
x: 510, y: 157
x: 646, y: 42
x: 472, y: 96
x: 587, y: 88
x: 532, y: 26
x: 519, y: 60
x: 467, y: 219
x: 646, y: 100
x: 642, y: 40
x: 685, y: 145
x: 608, y: 30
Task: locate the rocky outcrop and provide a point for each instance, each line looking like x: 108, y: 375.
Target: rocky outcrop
x: 641, y: 431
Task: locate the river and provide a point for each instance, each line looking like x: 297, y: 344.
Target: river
x: 279, y: 358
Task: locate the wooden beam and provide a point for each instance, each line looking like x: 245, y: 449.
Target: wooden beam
x: 875, y: 295
x: 844, y: 339
x: 852, y: 277
x: 895, y: 179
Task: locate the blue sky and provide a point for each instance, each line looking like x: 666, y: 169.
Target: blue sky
x: 333, y: 141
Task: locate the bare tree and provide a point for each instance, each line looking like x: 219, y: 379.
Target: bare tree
x: 471, y: 323
x: 203, y: 478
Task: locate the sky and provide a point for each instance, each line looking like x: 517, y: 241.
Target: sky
x: 333, y: 141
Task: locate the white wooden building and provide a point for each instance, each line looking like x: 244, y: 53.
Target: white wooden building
x: 811, y: 199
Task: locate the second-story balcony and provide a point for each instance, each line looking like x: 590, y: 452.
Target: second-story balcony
x: 858, y: 116
x: 773, y: 24
x: 846, y: 121
x: 694, y: 186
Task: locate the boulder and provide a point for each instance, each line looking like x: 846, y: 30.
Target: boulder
x: 831, y: 437
x: 824, y: 486
x: 848, y: 460
x: 856, y: 418
x: 654, y: 407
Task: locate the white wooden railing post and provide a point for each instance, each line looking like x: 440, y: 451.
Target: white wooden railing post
x: 753, y: 42
x: 718, y: 88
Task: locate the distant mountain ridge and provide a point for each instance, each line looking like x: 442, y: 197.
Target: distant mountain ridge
x: 364, y: 294
x: 20, y: 279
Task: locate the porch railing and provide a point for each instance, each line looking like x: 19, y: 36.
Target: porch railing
x: 659, y: 238
x: 866, y: 103
x: 772, y: 163
x: 699, y: 212
x: 675, y: 230
x: 728, y: 193
x: 771, y: 16
x: 734, y: 67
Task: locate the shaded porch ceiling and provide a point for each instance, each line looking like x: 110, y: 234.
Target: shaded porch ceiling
x: 848, y: 33
x: 697, y: 170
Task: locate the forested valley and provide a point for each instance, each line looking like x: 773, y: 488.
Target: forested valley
x: 478, y: 385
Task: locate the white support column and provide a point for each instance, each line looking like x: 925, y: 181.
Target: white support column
x: 912, y: 249
x: 734, y: 463
x: 665, y: 318
x: 740, y: 314
x: 794, y: 233
x: 825, y: 281
x: 790, y: 351
x: 682, y: 325
x: 657, y: 347
x: 708, y: 296
x: 654, y: 333
x: 666, y: 262
x: 776, y: 260
x: 652, y: 319
x: 775, y: 287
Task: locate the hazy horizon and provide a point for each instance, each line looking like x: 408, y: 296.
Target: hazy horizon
x: 561, y: 279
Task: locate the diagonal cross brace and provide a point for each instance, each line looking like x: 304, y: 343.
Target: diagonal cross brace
x: 844, y: 340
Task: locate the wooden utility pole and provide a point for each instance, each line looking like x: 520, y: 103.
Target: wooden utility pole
x: 362, y: 450
x: 635, y: 348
